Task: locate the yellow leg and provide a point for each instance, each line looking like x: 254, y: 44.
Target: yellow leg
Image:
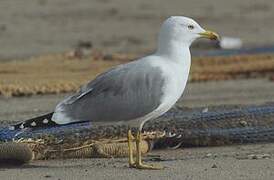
x: 139, y: 164
x: 130, y: 149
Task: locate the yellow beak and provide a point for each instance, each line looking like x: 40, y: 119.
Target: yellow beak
x: 210, y: 35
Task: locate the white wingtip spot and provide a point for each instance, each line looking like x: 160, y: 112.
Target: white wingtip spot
x: 45, y: 121
x: 11, y: 128
x: 22, y: 126
x: 178, y: 137
x: 33, y: 123
x: 170, y: 134
x: 205, y: 110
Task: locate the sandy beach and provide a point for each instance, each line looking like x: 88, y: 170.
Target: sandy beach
x: 38, y: 27
x: 233, y: 162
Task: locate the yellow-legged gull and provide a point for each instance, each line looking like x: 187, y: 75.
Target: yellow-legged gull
x: 138, y: 91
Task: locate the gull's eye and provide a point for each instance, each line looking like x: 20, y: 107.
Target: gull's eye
x: 190, y: 27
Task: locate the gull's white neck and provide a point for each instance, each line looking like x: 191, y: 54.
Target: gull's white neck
x: 175, y: 65
x: 175, y: 51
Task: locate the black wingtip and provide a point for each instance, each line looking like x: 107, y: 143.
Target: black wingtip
x: 37, y: 122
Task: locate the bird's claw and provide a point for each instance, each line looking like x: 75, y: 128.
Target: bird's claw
x: 148, y: 166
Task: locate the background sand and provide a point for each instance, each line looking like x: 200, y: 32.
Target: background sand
x: 35, y: 27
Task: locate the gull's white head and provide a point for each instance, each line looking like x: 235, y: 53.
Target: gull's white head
x: 182, y: 31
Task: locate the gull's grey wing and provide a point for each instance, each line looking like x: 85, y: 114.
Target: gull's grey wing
x: 123, y: 93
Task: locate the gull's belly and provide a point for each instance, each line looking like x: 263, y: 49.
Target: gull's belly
x: 177, y: 76
x: 173, y: 91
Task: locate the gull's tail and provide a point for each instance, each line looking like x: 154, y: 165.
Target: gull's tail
x: 37, y: 122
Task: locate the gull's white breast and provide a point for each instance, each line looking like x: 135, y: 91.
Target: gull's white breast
x: 176, y: 74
